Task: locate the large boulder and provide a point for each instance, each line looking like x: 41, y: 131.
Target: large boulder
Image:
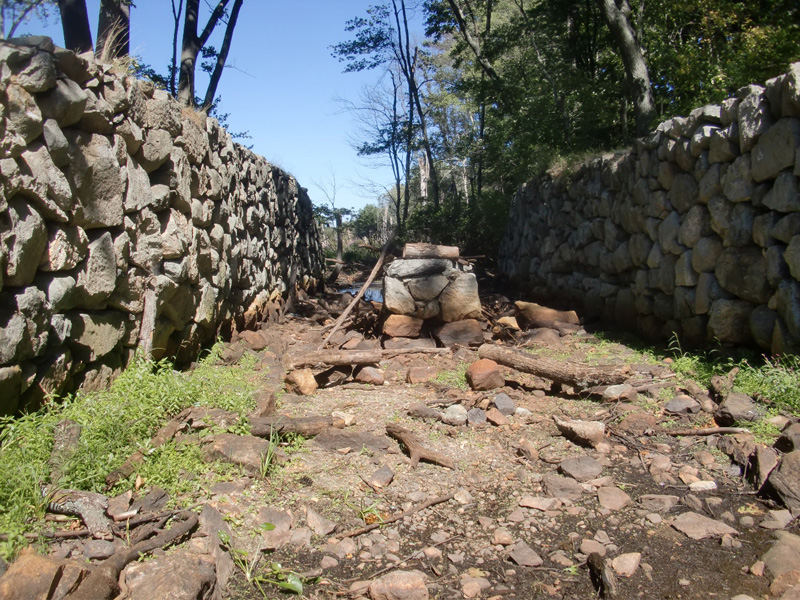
x: 460, y: 298
x: 462, y: 333
x: 94, y: 175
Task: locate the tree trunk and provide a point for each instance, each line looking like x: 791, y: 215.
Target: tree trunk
x: 222, y: 56
x: 579, y: 376
x: 75, y: 23
x: 173, y: 67
x: 630, y: 49
x: 192, y: 44
x: 113, y: 29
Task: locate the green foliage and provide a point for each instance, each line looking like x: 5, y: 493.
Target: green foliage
x: 455, y: 378
x: 114, y: 424
x: 773, y: 381
x: 366, y: 223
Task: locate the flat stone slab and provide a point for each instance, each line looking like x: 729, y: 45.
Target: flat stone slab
x: 698, y: 527
x: 247, y: 451
x: 581, y: 468
x: 524, y: 556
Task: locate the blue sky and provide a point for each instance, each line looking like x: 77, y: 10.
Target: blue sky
x: 281, y: 87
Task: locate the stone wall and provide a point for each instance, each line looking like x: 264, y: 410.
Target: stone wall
x: 126, y: 220
x: 694, y: 231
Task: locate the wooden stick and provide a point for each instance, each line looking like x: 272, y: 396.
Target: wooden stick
x: 560, y: 372
x: 339, y: 358
x: 376, y: 269
x: 416, y: 450
x: 397, y: 517
x: 706, y: 431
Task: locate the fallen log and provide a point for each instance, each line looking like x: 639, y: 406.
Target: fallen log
x: 264, y: 427
x: 700, y: 432
x: 421, y: 250
x: 572, y: 374
x: 416, y: 450
x: 340, y: 358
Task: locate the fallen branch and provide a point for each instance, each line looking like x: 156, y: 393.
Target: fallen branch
x: 580, y: 376
x: 339, y: 358
x: 375, y: 270
x: 700, y: 432
x: 54, y: 535
x: 397, y: 517
x: 416, y: 450
x: 263, y: 427
x: 112, y: 566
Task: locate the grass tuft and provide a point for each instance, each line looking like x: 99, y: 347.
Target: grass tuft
x: 114, y: 423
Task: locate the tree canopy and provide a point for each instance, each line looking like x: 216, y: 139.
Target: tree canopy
x: 502, y: 90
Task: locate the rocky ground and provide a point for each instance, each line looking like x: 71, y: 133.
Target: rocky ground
x: 552, y: 494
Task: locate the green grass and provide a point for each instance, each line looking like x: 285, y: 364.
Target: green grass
x: 114, y: 423
x: 773, y: 381
x: 454, y: 378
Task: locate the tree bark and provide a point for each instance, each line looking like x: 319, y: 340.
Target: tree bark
x: 579, y: 376
x: 630, y: 49
x: 113, y: 29
x: 173, y: 67
x: 75, y: 23
x: 421, y: 250
x: 222, y: 56
x: 263, y: 427
x: 192, y: 44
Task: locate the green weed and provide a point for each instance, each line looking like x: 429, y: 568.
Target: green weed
x: 455, y: 378
x: 114, y: 423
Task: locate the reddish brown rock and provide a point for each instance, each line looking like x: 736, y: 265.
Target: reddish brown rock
x: 402, y: 326
x: 35, y: 576
x: 399, y: 585
x: 371, y: 375
x: 421, y: 374
x: 301, y: 382
x: 495, y: 417
x: 247, y: 451
x: 463, y: 333
x: 485, y: 374
x: 254, y: 340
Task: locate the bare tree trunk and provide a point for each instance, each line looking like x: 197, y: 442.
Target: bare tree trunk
x: 222, y: 56
x: 616, y: 17
x: 192, y: 44
x: 113, y: 29
x: 173, y: 67
x: 75, y: 23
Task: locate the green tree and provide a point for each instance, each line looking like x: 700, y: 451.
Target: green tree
x: 14, y: 13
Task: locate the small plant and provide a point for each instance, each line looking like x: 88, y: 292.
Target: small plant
x: 366, y: 509
x: 455, y: 378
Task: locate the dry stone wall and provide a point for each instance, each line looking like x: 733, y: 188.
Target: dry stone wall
x: 694, y: 231
x: 126, y: 220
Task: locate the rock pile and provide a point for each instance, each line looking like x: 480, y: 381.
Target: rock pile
x: 694, y: 231
x: 127, y: 220
x: 433, y: 286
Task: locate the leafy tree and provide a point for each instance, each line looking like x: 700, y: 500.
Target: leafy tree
x: 366, y: 223
x: 14, y: 13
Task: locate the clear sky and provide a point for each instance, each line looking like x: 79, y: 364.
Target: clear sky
x: 281, y: 86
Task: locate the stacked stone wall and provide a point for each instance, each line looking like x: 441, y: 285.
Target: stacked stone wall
x: 695, y: 231
x: 126, y: 220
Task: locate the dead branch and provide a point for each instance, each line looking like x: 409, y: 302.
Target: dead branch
x: 339, y: 358
x: 580, y: 376
x: 375, y: 270
x: 415, y: 449
x: 700, y: 432
x: 397, y: 517
x: 305, y: 426
x: 112, y: 566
